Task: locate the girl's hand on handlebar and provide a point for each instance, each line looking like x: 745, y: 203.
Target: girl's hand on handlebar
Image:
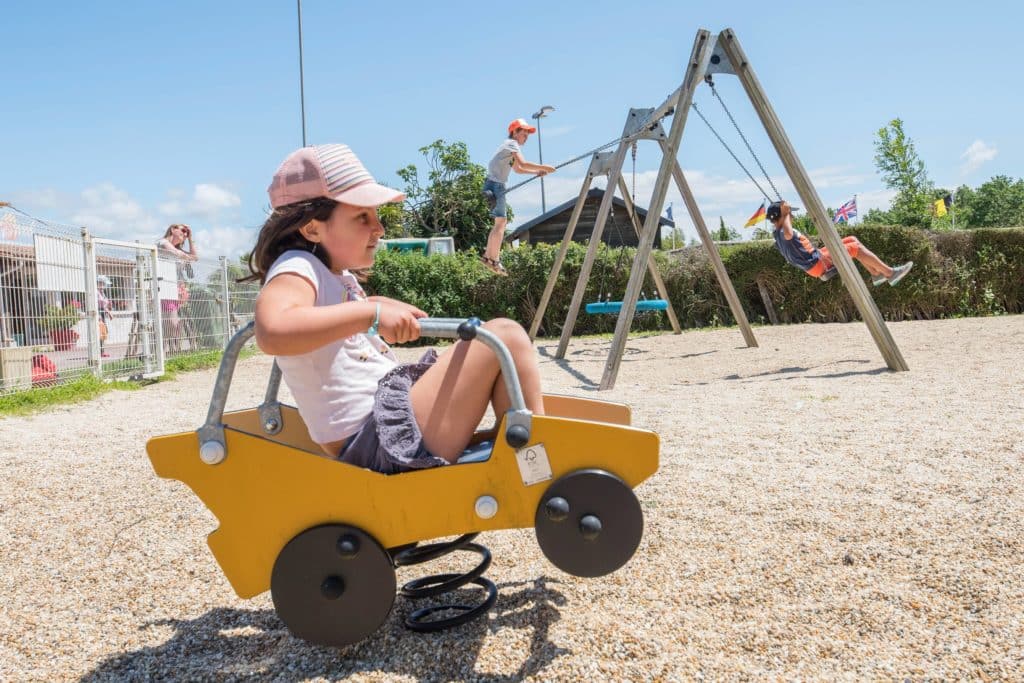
x: 399, y: 322
x: 383, y: 300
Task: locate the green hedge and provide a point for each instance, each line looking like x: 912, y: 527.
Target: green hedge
x: 964, y: 273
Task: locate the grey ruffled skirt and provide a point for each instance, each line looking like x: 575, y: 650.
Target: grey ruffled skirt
x: 390, y: 441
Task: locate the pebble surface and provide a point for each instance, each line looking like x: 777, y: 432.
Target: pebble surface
x: 815, y: 516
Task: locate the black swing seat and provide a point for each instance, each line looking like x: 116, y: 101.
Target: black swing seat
x: 615, y: 306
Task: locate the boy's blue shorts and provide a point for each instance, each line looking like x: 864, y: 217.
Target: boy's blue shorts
x: 498, y: 189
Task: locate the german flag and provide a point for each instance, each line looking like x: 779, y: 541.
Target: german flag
x: 756, y: 218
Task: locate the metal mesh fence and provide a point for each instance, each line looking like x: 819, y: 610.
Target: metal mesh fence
x: 202, y: 304
x: 72, y: 304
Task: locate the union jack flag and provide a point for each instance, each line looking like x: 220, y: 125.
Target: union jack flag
x: 845, y: 212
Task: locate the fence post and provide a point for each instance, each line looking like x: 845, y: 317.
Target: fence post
x: 138, y: 336
x: 767, y: 300
x: 157, y: 321
x: 227, y: 299
x: 92, y: 329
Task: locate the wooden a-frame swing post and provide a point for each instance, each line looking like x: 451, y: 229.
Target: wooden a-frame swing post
x: 851, y: 279
x: 697, y: 63
x: 652, y: 266
x: 598, y: 164
x: 614, y: 172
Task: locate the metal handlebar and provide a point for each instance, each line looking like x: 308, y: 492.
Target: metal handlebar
x: 213, y: 448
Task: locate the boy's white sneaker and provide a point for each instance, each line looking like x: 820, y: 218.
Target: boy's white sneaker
x: 900, y: 272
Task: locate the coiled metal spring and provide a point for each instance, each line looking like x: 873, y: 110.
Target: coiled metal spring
x: 439, y: 584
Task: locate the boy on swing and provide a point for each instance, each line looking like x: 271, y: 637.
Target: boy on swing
x: 508, y: 158
x: 798, y: 251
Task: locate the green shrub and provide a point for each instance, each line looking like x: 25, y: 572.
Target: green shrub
x: 59, y: 318
x: 977, y: 272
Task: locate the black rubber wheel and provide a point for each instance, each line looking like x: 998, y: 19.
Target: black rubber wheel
x: 333, y: 585
x: 589, y: 523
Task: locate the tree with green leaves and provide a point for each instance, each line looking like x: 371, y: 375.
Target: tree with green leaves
x: 997, y: 203
x: 903, y: 171
x: 449, y: 201
x: 724, y: 232
x: 674, y: 240
x: 804, y: 224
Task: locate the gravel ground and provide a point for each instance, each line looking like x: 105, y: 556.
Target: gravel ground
x: 815, y: 516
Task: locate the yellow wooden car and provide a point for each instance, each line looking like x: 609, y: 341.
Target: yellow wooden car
x: 325, y: 536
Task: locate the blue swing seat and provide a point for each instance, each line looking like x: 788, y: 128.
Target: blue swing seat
x: 616, y: 306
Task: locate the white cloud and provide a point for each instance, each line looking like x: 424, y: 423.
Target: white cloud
x: 874, y: 199
x: 207, y: 202
x: 555, y: 131
x: 45, y: 198
x: 976, y: 155
x: 109, y: 211
x: 835, y: 176
x: 106, y: 209
x: 225, y: 240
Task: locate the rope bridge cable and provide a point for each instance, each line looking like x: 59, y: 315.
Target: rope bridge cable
x: 571, y: 161
x: 711, y: 84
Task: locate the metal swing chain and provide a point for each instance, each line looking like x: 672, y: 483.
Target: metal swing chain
x: 729, y: 150
x: 634, y: 175
x: 714, y: 91
x: 602, y: 295
x: 618, y: 259
x: 632, y: 214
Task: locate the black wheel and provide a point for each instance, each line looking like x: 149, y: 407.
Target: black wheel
x: 589, y: 523
x: 333, y: 585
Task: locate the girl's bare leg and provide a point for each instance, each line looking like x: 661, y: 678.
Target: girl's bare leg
x: 450, y: 399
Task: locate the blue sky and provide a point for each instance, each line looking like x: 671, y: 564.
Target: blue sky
x: 125, y: 117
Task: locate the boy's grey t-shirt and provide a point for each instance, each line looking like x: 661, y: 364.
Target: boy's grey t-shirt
x: 501, y: 164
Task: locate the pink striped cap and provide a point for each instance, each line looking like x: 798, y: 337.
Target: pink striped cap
x: 332, y: 171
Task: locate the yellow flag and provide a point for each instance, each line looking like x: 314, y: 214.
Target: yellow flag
x: 940, y: 208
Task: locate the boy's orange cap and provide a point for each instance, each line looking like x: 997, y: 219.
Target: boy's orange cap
x: 520, y: 123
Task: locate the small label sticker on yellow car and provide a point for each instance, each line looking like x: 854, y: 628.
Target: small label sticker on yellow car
x: 534, y: 466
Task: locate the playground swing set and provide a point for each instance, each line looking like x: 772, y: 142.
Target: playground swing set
x: 711, y: 55
x: 326, y: 537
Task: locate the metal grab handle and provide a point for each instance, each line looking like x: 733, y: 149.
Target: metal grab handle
x: 213, y: 449
x: 517, y: 430
x: 468, y: 329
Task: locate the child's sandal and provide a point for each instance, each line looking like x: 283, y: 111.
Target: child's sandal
x: 494, y: 265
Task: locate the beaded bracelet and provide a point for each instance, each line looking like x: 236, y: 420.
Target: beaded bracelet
x: 376, y: 321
